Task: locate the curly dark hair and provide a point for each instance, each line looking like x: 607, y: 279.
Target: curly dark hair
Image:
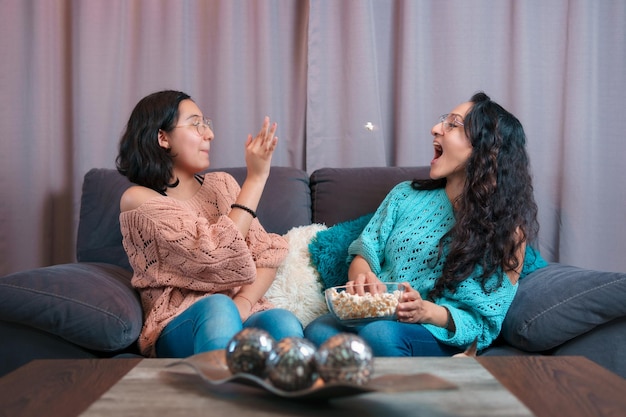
x: 140, y: 158
x: 496, y: 201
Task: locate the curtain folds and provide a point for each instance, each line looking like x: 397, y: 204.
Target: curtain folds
x: 350, y: 83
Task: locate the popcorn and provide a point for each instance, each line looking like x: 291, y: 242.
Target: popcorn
x: 352, y: 306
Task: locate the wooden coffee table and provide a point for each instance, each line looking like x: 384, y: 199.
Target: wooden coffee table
x: 487, y: 386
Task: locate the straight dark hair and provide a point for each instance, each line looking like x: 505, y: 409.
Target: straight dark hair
x: 140, y: 157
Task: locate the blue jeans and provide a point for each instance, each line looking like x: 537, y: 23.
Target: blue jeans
x: 386, y: 338
x: 210, y: 323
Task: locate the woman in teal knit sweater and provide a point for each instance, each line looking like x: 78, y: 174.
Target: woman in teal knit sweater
x: 459, y: 242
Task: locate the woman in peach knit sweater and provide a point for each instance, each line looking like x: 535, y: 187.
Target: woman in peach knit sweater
x: 201, y: 260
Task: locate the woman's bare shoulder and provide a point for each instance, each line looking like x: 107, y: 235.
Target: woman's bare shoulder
x: 135, y: 196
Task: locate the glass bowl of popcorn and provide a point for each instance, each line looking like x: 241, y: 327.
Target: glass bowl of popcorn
x: 362, y: 303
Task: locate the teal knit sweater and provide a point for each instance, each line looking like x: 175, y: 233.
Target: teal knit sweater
x: 401, y: 244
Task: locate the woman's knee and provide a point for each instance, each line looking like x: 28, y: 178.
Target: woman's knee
x: 278, y: 322
x: 385, y: 338
x: 322, y: 328
x: 215, y: 304
x: 388, y: 338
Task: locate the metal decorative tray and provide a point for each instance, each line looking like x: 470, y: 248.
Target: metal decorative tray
x: 212, y: 368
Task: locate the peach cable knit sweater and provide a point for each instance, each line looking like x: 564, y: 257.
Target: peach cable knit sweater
x: 181, y: 251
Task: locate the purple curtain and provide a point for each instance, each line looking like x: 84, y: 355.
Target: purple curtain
x: 351, y: 83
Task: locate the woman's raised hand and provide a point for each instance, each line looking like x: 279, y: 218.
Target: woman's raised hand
x: 259, y: 150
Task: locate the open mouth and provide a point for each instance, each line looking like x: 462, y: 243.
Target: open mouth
x: 438, y: 150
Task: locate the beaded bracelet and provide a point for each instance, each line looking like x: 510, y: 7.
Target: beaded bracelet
x: 248, y: 209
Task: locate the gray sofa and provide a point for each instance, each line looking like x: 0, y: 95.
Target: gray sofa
x: 88, y: 309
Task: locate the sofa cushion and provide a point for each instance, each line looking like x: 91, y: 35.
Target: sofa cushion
x: 21, y: 344
x: 560, y: 302
x: 604, y: 345
x: 285, y: 203
x: 91, y: 305
x: 342, y: 194
x: 329, y: 250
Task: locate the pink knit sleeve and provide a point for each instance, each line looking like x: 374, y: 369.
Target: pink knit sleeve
x: 187, y: 251
x: 268, y: 249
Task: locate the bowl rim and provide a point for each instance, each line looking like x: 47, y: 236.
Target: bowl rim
x: 358, y: 321
x: 399, y: 286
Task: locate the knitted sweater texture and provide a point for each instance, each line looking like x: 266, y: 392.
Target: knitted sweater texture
x: 401, y: 244
x: 181, y: 251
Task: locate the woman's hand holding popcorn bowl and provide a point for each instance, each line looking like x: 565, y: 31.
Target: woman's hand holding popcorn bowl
x: 359, y: 303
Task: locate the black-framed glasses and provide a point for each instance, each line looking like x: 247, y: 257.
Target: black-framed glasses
x: 201, y: 125
x: 449, y: 121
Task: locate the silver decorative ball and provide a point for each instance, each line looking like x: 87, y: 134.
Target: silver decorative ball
x: 248, y: 350
x: 345, y: 358
x: 291, y: 364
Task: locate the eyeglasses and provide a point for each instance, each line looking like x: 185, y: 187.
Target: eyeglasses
x: 450, y: 121
x: 200, y: 125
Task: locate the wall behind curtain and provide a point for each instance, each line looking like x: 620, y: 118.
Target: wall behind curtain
x: 72, y: 71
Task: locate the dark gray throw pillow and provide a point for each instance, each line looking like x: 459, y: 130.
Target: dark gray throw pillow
x: 92, y: 305
x: 560, y: 302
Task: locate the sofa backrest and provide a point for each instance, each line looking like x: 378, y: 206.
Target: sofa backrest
x: 342, y: 194
x: 99, y: 238
x: 291, y: 198
x: 286, y: 203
